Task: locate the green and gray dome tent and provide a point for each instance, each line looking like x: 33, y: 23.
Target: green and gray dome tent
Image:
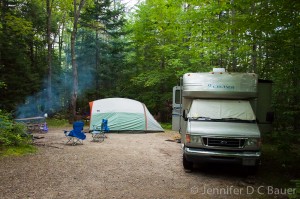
x: 123, y: 115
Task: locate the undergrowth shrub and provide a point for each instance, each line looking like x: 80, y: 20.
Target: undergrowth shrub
x: 12, y: 134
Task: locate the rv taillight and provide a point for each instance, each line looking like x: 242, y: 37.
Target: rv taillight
x: 188, y: 138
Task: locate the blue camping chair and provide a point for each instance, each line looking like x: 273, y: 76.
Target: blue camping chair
x: 76, y: 135
x: 98, y: 132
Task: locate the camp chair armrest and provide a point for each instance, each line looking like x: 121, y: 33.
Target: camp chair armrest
x: 66, y: 132
x: 96, y: 128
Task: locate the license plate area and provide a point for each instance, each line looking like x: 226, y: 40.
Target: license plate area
x: 249, y: 162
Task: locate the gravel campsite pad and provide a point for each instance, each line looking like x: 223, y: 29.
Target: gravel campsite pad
x: 123, y: 166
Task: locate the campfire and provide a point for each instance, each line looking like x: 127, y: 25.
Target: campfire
x: 35, y: 124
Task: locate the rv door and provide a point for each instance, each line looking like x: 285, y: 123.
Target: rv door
x: 176, y: 108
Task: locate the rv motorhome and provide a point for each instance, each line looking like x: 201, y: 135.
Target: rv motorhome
x: 216, y: 116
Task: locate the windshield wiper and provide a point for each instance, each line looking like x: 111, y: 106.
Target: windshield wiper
x: 200, y: 118
x: 237, y: 120
x: 231, y: 118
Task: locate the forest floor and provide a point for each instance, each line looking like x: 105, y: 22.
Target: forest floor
x: 123, y: 166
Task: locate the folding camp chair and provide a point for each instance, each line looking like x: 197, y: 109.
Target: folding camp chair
x: 44, y: 128
x: 98, y: 132
x: 76, y: 135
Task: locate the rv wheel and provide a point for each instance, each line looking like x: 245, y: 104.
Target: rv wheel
x: 252, y: 170
x: 187, y: 165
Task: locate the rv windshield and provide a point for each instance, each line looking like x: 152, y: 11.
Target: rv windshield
x: 225, y: 110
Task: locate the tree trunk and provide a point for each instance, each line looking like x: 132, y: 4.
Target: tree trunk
x: 3, y: 7
x: 97, y: 87
x: 254, y: 45
x: 254, y: 56
x: 60, y: 39
x: 49, y: 54
x: 296, y: 82
x: 233, y: 40
x: 73, y: 56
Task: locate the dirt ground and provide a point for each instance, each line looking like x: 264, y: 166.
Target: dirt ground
x: 123, y: 166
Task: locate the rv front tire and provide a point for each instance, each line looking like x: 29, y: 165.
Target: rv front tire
x: 187, y: 165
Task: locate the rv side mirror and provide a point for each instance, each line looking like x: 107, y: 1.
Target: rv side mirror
x: 184, y: 115
x: 270, y: 117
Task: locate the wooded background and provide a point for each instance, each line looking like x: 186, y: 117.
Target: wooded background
x: 57, y: 55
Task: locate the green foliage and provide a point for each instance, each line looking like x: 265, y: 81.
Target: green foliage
x: 172, y: 37
x: 284, y: 142
x: 12, y: 134
x: 297, y: 193
x: 161, y: 41
x: 18, y: 150
x: 278, y: 167
x: 280, y: 156
x: 21, y: 62
x: 56, y: 122
x: 2, y: 84
x: 101, y: 51
x: 166, y: 126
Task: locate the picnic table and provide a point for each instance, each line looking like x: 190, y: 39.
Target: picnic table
x: 34, y: 124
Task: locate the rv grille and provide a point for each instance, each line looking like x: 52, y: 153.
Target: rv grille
x: 224, y: 142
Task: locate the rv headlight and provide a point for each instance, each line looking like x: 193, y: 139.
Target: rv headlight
x: 253, y: 142
x: 196, y: 139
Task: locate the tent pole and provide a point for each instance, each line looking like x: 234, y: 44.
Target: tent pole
x: 146, y: 122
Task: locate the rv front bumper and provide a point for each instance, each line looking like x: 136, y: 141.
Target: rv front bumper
x: 247, y: 158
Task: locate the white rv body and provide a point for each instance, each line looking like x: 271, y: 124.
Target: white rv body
x: 219, y: 121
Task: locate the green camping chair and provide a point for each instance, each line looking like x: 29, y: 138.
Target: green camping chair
x: 98, y: 132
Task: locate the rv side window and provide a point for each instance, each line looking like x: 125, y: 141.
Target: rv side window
x: 177, y: 97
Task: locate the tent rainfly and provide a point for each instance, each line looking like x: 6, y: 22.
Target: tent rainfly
x: 123, y: 115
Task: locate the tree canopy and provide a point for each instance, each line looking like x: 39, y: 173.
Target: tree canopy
x: 142, y: 54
